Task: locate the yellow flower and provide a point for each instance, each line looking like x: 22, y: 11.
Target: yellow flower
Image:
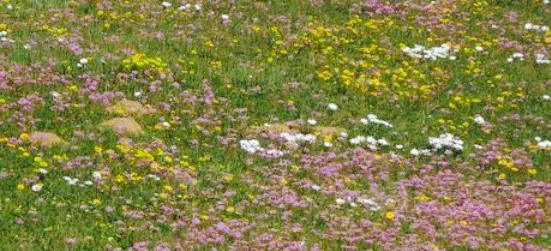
x: 20, y: 186
x: 24, y: 136
x: 168, y: 189
x: 389, y: 215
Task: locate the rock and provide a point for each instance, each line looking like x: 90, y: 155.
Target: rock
x: 130, y: 108
x: 123, y: 126
x: 46, y: 139
x: 288, y: 127
x: 328, y: 131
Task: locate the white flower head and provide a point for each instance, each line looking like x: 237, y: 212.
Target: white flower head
x: 37, y: 187
x: 332, y: 107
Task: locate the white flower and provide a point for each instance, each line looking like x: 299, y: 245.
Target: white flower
x: 27, y: 46
x: 546, y: 97
x: 166, y: 124
x: 42, y: 171
x: 185, y: 7
x: 479, y: 120
x: 70, y: 180
x: 420, y: 52
x: 316, y: 187
x: 88, y: 183
x: 542, y: 59
x: 166, y: 4
x: 372, y: 119
x: 96, y: 175
x: 537, y: 139
x: 399, y: 147
x: 414, y: 152
x: 55, y: 94
x: 250, y: 146
x: 312, y: 122
x: 370, y: 203
x: 327, y: 144
x: 479, y: 48
x: 298, y: 138
x: 225, y: 17
x: 528, y: 26
x: 198, y: 7
x: 340, y: 201
x: 332, y: 107
x: 37, y: 187
x: 9, y: 7
x: 516, y: 55
x: 446, y: 141
x: 544, y: 145
x: 83, y: 61
x: 137, y: 94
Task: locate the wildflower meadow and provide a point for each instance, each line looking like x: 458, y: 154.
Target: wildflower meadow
x: 275, y: 125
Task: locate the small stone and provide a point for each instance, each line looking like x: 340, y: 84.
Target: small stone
x: 130, y: 108
x: 123, y: 126
x: 328, y: 131
x: 46, y: 139
x: 289, y: 127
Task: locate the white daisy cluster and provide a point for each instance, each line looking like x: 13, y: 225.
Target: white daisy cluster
x: 250, y: 146
x: 185, y: 7
x: 433, y: 53
x: 299, y: 138
x: 446, y: 141
x: 546, y: 97
x: 516, y: 56
x: 544, y: 145
x: 367, y: 202
x: 74, y: 181
x: 535, y: 27
x: 188, y: 7
x: 416, y: 152
x: 253, y: 146
x: 4, y: 38
x: 82, y: 62
x: 372, y: 119
x: 542, y: 59
x: 370, y: 141
x: 479, y: 120
x: 545, y: 1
